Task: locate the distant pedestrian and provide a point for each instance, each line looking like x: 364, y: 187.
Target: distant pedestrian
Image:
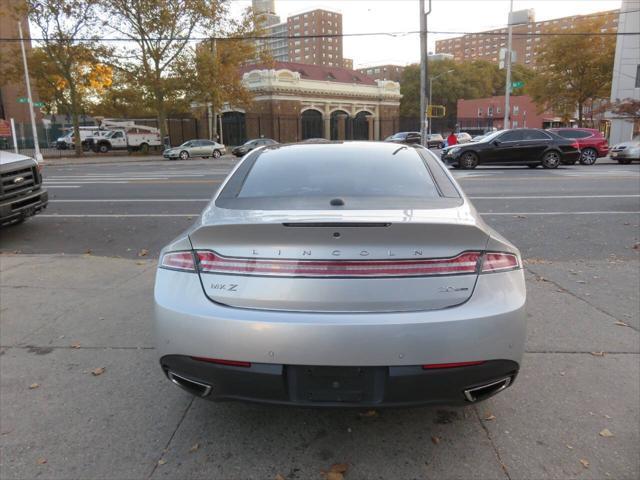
x: 452, y: 139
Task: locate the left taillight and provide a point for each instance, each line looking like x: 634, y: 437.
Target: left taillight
x: 183, y: 261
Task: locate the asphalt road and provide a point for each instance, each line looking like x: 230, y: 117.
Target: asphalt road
x: 67, y: 307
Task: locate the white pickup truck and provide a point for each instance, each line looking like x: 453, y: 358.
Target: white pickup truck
x: 125, y: 136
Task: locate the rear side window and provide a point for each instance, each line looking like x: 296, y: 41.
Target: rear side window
x: 512, y: 136
x: 535, y: 135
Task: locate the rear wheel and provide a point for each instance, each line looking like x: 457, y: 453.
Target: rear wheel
x: 216, y: 154
x: 184, y: 155
x: 588, y: 156
x: 468, y: 160
x: 103, y: 148
x: 551, y: 160
x: 144, y: 148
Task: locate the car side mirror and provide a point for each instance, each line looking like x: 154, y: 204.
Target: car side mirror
x: 496, y: 143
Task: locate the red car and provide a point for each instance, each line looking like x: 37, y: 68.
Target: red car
x: 591, y: 142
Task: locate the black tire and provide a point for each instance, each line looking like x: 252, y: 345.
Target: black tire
x: 551, y: 159
x: 184, y: 155
x: 217, y: 154
x: 468, y: 161
x: 144, y: 148
x: 588, y: 156
x: 532, y: 165
x: 103, y: 148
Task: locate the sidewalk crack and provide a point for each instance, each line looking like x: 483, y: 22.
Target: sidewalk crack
x: 493, y: 445
x: 164, y: 450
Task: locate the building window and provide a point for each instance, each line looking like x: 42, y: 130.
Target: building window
x: 638, y: 77
x: 490, y: 111
x: 479, y: 111
x: 516, y: 109
x: 514, y: 124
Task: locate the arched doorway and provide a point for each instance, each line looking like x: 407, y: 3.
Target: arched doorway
x: 361, y: 126
x: 234, y: 129
x: 337, y: 125
x: 311, y: 124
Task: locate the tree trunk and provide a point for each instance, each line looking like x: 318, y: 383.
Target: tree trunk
x: 580, y: 114
x: 75, y: 119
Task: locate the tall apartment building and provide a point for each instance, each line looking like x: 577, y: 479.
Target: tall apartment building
x: 320, y: 48
x: 486, y: 45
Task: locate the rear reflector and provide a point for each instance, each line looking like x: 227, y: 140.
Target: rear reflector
x: 499, y: 262
x: 464, y: 263
x: 178, y: 261
x: 433, y: 366
x: 231, y: 363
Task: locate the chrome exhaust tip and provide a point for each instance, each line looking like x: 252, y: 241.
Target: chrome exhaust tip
x: 483, y: 391
x: 191, y: 386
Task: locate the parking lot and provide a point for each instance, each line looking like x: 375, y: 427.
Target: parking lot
x: 82, y: 395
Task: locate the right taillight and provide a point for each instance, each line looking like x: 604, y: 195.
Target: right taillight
x: 178, y: 261
x: 499, y: 262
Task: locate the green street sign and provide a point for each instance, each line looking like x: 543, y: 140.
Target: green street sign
x: 517, y: 84
x: 23, y: 100
x: 38, y: 104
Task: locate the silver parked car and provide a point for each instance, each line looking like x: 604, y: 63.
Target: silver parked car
x: 195, y: 148
x: 340, y: 274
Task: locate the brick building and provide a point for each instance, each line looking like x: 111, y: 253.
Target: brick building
x: 486, y: 45
x: 9, y: 94
x: 488, y: 113
x: 325, y: 50
x: 384, y: 72
x: 296, y: 101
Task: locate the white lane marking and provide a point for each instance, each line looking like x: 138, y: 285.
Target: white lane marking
x: 151, y: 215
x: 62, y: 186
x: 169, y: 200
x: 604, y: 212
x: 557, y: 197
x: 127, y: 200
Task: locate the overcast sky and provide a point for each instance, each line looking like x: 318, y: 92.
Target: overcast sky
x: 360, y: 16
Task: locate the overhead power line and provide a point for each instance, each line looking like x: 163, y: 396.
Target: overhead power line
x: 336, y: 35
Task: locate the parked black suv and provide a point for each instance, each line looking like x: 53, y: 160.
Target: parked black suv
x: 21, y: 192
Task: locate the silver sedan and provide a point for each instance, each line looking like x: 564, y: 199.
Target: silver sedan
x: 195, y: 148
x: 341, y: 274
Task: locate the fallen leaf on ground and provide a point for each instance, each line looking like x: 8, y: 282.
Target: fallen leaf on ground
x: 521, y: 216
x: 143, y: 252
x: 339, y: 467
x: 195, y: 447
x: 97, y: 371
x: 489, y: 417
x: 569, y: 447
x: 279, y: 477
x: 435, y: 440
x: 562, y: 374
x: 75, y: 345
x: 584, y: 462
x: 88, y: 251
x: 581, y: 281
x: 34, y: 385
x: 620, y: 323
x: 606, y: 433
x: 41, y: 461
x: 369, y: 413
x: 162, y: 461
x: 636, y: 246
x: 597, y: 354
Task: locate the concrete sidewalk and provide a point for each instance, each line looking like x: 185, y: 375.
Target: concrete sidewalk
x: 62, y: 317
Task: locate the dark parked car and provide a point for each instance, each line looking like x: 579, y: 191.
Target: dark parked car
x: 592, y: 143
x: 249, y: 145
x: 404, y: 137
x: 522, y: 146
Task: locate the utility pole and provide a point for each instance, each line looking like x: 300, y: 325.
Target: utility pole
x: 507, y: 59
x: 424, y: 71
x: 36, y: 144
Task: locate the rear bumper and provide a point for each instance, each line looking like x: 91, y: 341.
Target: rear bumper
x: 340, y: 387
x: 24, y: 206
x: 489, y: 326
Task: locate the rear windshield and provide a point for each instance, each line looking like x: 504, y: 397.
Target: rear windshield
x: 385, y: 176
